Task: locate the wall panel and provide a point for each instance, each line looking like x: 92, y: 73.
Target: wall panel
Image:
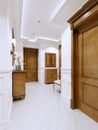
x: 5, y: 97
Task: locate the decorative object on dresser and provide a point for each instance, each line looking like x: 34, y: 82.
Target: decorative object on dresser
x: 18, y: 65
x: 18, y: 81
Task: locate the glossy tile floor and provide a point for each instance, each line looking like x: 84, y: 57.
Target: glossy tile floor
x: 43, y: 109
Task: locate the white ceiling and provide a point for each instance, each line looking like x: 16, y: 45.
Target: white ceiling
x: 43, y: 19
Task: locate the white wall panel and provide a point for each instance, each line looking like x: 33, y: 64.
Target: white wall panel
x: 1, y: 107
x: 5, y: 97
x: 66, y: 66
x: 5, y: 66
x: 1, y: 85
x: 66, y: 86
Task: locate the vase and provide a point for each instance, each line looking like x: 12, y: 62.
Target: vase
x: 18, y: 67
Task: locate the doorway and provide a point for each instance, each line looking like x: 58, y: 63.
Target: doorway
x: 31, y: 64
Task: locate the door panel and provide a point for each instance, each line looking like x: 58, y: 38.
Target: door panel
x: 31, y: 66
x: 50, y: 60
x: 89, y: 95
x: 88, y: 72
x: 90, y: 53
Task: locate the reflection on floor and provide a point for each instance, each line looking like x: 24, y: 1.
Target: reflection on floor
x: 43, y: 109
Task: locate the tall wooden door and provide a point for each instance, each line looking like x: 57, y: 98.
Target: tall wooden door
x: 88, y: 72
x: 31, y: 64
x: 84, y: 76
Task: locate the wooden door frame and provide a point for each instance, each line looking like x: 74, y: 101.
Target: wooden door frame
x: 35, y: 50
x: 83, y: 20
x: 59, y: 48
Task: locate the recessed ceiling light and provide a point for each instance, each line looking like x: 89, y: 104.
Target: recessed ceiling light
x: 33, y: 33
x: 24, y: 37
x: 38, y: 21
x: 50, y: 39
x: 34, y: 40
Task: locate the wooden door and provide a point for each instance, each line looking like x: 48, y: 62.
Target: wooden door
x: 88, y: 72
x: 84, y: 62
x: 31, y: 64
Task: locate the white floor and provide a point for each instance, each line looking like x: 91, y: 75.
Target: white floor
x: 43, y: 109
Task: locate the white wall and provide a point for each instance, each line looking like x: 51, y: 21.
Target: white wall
x: 5, y: 66
x: 66, y: 66
x: 5, y: 38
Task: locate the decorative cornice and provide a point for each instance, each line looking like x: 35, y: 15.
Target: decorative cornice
x: 87, y: 6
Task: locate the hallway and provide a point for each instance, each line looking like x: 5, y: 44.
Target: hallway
x: 43, y: 109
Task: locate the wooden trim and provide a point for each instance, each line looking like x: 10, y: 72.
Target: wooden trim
x: 74, y: 65
x: 86, y: 15
x: 59, y: 56
x: 60, y: 61
x: 30, y: 49
x: 90, y: 4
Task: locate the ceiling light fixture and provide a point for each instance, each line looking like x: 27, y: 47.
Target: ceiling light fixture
x: 50, y: 39
x: 23, y: 37
x: 30, y: 40
x: 38, y: 21
x: 33, y: 33
x: 44, y: 38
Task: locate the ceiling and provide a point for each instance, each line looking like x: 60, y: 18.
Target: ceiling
x: 37, y: 20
